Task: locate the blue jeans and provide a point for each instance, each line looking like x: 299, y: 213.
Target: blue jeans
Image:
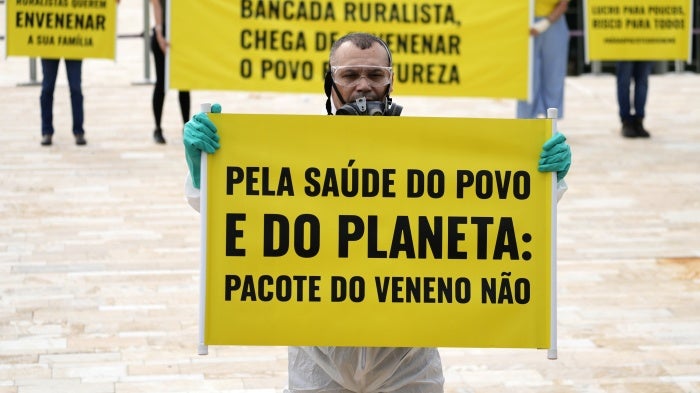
x: 49, y: 68
x: 550, y: 58
x: 626, y: 71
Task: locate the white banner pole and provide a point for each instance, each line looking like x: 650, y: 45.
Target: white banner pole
x: 552, y: 113
x: 202, y: 348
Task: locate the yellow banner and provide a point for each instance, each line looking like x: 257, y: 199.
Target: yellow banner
x: 382, y: 231
x: 442, y: 48
x: 71, y: 29
x: 638, y: 29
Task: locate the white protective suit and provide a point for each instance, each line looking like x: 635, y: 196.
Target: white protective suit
x: 359, y: 369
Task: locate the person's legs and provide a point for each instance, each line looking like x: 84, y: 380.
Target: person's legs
x: 624, y: 75
x: 555, y: 59
x: 641, y: 72
x: 528, y: 109
x: 159, y: 88
x: 74, y: 73
x: 49, y: 68
x: 184, y: 97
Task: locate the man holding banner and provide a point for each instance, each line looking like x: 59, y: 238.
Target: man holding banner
x: 358, y: 82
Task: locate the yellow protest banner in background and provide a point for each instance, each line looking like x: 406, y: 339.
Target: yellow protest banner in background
x: 638, y: 29
x: 71, y: 29
x: 383, y: 231
x: 442, y: 48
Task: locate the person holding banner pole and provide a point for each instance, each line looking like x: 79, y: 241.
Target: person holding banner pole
x: 550, y: 56
x: 159, y: 46
x: 638, y: 71
x: 358, y: 82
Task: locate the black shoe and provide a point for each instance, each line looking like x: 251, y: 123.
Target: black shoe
x: 80, y: 140
x: 158, y: 136
x: 46, y: 140
x: 639, y: 128
x: 628, y: 129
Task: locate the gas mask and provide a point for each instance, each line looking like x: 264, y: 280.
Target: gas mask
x: 362, y: 107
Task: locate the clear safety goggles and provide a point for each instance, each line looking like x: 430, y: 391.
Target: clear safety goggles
x: 350, y: 76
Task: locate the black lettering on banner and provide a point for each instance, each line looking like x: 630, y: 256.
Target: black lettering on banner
x: 76, y: 40
x: 415, y: 237
x: 62, y: 21
x: 233, y: 233
x: 505, y: 240
x: 307, y: 235
x: 607, y: 10
x: 422, y: 44
x: 402, y: 241
x: 633, y: 9
x: 669, y: 24
x: 423, y: 289
x: 307, y: 246
x: 324, y: 40
x: 483, y: 182
x: 607, y: 23
x: 287, y: 69
x: 368, y: 182
x: 495, y: 291
x: 427, y: 73
x: 50, y: 3
x: 384, y: 12
x: 482, y: 236
x: 273, y: 40
x: 352, y: 229
x: 270, y: 222
x: 88, y: 3
x: 455, y: 237
x: 418, y: 183
x: 287, y: 10
x: 45, y: 40
x: 637, y: 24
x: 665, y: 10
x: 267, y: 288
x: 258, y: 181
x: 246, y: 68
x: 343, y: 289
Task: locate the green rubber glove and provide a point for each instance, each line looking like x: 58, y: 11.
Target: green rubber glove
x: 555, y: 156
x: 199, y: 135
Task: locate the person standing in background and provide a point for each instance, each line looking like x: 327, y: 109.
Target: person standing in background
x: 49, y: 69
x: 74, y: 72
x: 159, y: 46
x: 627, y: 70
x: 549, y: 60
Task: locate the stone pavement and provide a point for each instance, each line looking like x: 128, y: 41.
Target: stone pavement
x: 99, y: 252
